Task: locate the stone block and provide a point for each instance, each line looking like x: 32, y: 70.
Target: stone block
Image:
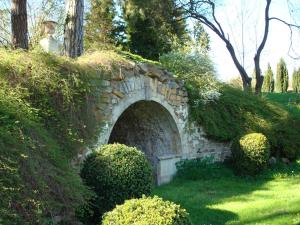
x: 105, y: 83
x: 163, y: 78
x: 173, y: 97
x: 119, y: 94
x: 166, y: 168
x: 117, y: 76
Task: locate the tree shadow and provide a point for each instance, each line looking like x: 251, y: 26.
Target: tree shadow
x: 274, y: 216
x: 200, y: 195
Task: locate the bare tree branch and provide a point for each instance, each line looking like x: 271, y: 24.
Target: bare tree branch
x: 205, y: 12
x: 192, y: 7
x: 290, y: 26
x: 284, y: 22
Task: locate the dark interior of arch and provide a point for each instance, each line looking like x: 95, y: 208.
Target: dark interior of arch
x: 148, y: 126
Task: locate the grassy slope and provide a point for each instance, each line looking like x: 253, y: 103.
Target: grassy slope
x: 47, y: 114
x: 291, y: 101
x: 44, y: 120
x: 271, y: 199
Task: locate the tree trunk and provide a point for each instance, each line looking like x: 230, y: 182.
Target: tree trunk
x: 259, y: 77
x: 245, y: 78
x: 73, y: 37
x: 19, y: 25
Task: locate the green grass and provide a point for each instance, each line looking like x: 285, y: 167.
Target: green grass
x: 290, y: 101
x: 270, y: 199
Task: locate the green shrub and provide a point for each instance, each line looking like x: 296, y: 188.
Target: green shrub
x: 250, y: 153
x: 115, y: 172
x: 201, y: 169
x: 237, y: 112
x: 147, y: 211
x: 197, y: 70
x: 41, y: 106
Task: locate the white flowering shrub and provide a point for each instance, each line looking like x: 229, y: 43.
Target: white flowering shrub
x: 197, y: 70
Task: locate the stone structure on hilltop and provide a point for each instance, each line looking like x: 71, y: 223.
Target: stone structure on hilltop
x: 143, y: 105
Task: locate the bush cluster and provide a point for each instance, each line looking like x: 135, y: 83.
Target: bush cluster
x: 197, y: 70
x: 238, y: 112
x: 116, y: 173
x: 250, y: 153
x: 147, y: 211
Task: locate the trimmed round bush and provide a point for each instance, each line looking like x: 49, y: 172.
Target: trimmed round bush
x: 115, y: 172
x: 147, y: 211
x: 250, y: 153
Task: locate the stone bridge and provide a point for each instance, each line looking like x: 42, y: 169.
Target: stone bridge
x: 146, y: 107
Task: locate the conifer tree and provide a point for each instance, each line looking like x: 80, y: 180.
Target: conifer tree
x: 153, y: 26
x: 268, y: 85
x: 282, y: 77
x: 296, y: 81
x: 100, y: 25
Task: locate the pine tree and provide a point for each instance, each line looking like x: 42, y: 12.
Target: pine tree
x: 153, y: 26
x: 296, y: 81
x: 100, y: 25
x: 282, y: 77
x: 268, y: 85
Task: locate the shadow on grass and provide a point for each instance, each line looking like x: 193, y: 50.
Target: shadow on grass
x: 274, y: 216
x: 198, y: 189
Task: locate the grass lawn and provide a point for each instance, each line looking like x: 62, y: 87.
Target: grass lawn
x: 217, y: 196
x: 291, y: 101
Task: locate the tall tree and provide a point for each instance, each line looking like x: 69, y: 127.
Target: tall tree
x: 153, y: 26
x: 19, y: 26
x: 201, y: 38
x: 296, y: 81
x: 282, y: 77
x: 100, y: 25
x: 268, y: 85
x: 204, y: 11
x: 73, y: 34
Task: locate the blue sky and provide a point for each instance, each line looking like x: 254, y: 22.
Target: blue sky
x: 278, y: 40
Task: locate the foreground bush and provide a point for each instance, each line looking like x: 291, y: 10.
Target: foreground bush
x: 148, y: 211
x: 115, y: 172
x: 251, y: 153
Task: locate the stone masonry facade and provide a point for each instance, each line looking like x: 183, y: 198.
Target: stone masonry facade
x: 145, y: 106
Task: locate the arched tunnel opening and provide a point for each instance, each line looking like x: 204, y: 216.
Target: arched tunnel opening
x: 150, y: 127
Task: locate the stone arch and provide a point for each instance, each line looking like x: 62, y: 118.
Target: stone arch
x: 150, y: 127
x: 124, y: 96
x: 163, y: 102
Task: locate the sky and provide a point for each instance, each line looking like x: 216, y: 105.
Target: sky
x: 278, y: 42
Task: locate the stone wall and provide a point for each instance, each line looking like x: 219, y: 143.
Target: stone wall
x: 145, y: 106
